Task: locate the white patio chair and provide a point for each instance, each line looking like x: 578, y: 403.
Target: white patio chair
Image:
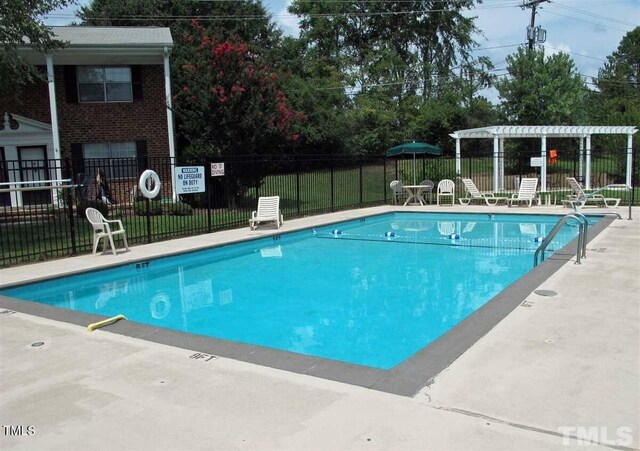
x: 397, y: 189
x: 446, y: 188
x: 474, y: 194
x: 428, y: 189
x: 102, y: 228
x: 582, y: 198
x: 268, y: 211
x: 526, y: 193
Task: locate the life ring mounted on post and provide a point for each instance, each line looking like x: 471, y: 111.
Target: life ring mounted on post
x: 146, y: 177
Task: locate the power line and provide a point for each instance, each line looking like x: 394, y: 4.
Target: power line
x: 591, y: 14
x: 151, y: 17
x: 574, y: 53
x: 586, y: 21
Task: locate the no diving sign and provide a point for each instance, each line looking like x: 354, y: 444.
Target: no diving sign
x: 217, y: 169
x: 189, y: 179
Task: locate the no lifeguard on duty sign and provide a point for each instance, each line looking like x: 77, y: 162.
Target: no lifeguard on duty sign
x: 189, y: 179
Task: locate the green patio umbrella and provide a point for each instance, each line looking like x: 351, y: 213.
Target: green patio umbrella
x: 414, y: 148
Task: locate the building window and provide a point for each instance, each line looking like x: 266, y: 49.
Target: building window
x: 117, y: 160
x: 104, y: 84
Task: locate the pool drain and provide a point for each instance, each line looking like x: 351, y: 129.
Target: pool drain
x: 546, y: 293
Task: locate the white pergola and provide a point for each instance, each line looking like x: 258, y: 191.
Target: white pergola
x: 583, y: 132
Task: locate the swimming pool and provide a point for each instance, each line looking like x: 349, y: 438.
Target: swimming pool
x: 370, y: 292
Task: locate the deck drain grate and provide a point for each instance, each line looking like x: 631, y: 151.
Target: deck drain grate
x: 546, y: 293
x: 37, y: 344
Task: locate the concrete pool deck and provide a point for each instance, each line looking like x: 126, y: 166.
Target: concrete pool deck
x: 555, y: 371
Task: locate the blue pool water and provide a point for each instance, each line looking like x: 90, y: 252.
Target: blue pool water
x: 372, y: 291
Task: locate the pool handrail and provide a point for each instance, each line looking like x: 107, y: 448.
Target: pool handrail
x: 582, y: 237
x: 582, y: 199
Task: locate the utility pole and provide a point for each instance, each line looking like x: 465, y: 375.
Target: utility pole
x: 534, y: 34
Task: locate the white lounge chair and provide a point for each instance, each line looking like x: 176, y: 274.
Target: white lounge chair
x: 526, y: 193
x: 268, y: 211
x: 581, y: 198
x: 102, y: 229
x: 446, y: 188
x: 474, y: 194
x: 397, y: 189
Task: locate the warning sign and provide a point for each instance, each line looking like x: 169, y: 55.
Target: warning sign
x: 217, y: 169
x: 189, y: 179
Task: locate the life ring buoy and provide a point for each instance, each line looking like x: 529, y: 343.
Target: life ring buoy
x: 144, y: 178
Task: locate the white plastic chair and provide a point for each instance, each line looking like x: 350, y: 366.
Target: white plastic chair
x: 398, y: 190
x: 475, y: 194
x: 446, y: 188
x: 102, y: 229
x: 526, y: 193
x: 428, y: 189
x: 268, y: 211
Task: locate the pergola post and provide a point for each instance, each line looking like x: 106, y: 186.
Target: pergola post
x: 629, y: 159
x: 581, y: 160
x: 496, y: 151
x: 458, y: 157
x: 587, y: 175
x: 543, y: 166
x: 501, y: 178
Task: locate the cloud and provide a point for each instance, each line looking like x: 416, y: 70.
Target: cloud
x: 552, y: 49
x: 288, y: 22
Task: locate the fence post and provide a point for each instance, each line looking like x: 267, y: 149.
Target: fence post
x: 209, y: 189
x: 361, y: 198
x: 384, y: 177
x: 297, y: 163
x: 148, y: 201
x: 332, y: 187
x: 72, y: 226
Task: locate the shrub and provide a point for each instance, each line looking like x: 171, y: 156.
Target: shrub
x: 181, y: 209
x: 140, y: 208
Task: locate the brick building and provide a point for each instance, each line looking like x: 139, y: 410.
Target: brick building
x: 107, y: 100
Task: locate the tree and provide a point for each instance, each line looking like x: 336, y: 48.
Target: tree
x: 260, y: 31
x: 617, y: 101
x: 409, y: 46
x: 232, y: 103
x: 21, y: 24
x: 620, y: 76
x: 231, y: 97
x: 397, y: 55
x: 542, y: 90
x: 618, y: 82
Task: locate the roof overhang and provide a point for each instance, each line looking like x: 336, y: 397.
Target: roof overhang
x: 105, y: 45
x: 97, y: 55
x: 538, y: 131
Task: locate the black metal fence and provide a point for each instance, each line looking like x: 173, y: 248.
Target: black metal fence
x: 38, y: 222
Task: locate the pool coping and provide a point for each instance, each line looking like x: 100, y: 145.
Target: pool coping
x: 405, y: 379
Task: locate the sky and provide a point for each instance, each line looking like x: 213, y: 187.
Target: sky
x: 589, y: 30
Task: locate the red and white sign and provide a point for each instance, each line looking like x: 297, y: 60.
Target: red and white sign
x: 217, y: 169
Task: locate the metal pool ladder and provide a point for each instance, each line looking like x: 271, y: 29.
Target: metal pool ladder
x: 583, y: 223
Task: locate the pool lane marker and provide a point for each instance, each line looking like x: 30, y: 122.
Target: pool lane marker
x: 106, y: 322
